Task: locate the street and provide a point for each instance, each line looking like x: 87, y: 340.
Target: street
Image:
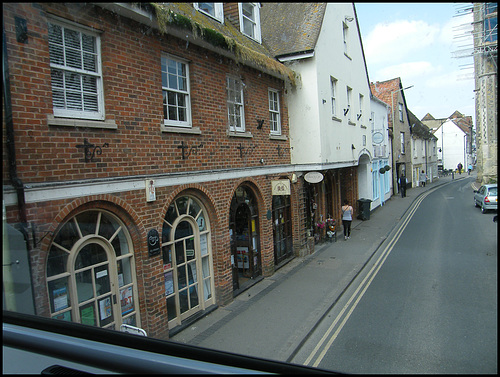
x: 426, y: 302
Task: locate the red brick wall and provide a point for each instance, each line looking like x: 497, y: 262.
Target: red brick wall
x: 133, y: 98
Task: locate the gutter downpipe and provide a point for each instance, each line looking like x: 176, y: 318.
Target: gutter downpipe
x: 11, y: 150
x: 11, y: 153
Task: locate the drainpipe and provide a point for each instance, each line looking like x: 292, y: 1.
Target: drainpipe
x: 11, y: 150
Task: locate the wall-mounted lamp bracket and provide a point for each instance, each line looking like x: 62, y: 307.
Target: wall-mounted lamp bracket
x: 90, y: 150
x: 260, y: 123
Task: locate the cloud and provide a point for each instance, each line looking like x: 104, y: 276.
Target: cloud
x: 407, y: 71
x: 398, y: 39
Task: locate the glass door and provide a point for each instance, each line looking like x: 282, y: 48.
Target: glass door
x: 282, y: 228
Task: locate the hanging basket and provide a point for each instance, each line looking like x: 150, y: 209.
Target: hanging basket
x: 382, y: 170
x: 387, y: 167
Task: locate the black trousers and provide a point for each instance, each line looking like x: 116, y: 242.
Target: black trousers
x: 347, y: 227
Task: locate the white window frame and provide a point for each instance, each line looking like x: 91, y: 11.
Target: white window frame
x: 349, y: 98
x: 255, y: 22
x: 361, y: 98
x: 274, y: 111
x: 218, y: 11
x: 333, y: 89
x: 402, y: 138
x: 187, y: 95
x: 232, y: 102
x: 400, y: 107
x: 345, y: 37
x: 80, y: 72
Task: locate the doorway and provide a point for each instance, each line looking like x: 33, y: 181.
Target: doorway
x: 245, y: 242
x: 282, y: 228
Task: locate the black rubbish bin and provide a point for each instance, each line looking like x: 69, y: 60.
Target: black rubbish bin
x: 364, y: 209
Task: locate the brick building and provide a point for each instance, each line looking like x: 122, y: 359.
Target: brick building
x: 142, y: 149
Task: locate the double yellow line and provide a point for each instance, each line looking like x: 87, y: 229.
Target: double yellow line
x: 359, y: 292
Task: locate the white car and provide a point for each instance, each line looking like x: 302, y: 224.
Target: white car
x: 486, y: 197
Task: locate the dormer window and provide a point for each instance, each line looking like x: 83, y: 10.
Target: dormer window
x: 250, y: 20
x: 214, y: 10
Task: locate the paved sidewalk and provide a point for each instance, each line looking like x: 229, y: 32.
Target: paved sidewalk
x: 270, y: 319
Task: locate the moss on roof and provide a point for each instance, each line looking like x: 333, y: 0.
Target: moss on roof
x: 225, y: 36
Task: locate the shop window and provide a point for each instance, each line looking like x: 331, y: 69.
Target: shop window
x: 187, y: 260
x: 91, y: 272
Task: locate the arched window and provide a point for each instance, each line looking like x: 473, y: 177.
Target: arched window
x: 187, y: 260
x: 91, y: 272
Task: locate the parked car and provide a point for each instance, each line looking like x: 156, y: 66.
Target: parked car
x: 486, y: 198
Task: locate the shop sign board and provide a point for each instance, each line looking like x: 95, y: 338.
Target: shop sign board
x: 281, y: 187
x: 313, y: 177
x: 153, y: 242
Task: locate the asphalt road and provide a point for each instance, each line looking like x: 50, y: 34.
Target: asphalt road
x: 428, y: 301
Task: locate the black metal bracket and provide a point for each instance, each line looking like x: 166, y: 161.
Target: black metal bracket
x: 192, y: 150
x: 248, y: 151
x: 281, y: 151
x: 90, y: 150
x: 359, y: 116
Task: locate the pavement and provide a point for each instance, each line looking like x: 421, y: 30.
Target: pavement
x: 272, y: 317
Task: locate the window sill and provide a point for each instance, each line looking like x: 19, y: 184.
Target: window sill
x: 239, y: 134
x: 278, y: 137
x: 70, y: 122
x: 181, y: 130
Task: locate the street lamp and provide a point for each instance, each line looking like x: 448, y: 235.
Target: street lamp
x: 392, y: 120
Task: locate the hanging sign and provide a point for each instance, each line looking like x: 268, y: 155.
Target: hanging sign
x: 280, y: 187
x: 153, y: 242
x: 313, y: 177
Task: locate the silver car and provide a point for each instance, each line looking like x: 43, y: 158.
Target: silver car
x: 486, y: 197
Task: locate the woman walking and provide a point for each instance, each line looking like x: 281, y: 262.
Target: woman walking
x: 347, y: 219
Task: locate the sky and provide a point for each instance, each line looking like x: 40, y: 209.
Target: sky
x: 417, y: 42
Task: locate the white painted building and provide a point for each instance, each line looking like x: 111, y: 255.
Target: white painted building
x: 329, y: 110
x: 381, y: 176
x: 454, y: 143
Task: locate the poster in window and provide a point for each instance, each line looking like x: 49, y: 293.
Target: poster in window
x: 242, y: 257
x: 66, y: 316
x: 203, y: 244
x: 105, y: 308
x: 127, y: 300
x: 60, y: 299
x: 87, y: 316
x: 169, y: 283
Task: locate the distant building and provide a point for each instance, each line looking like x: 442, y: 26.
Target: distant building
x: 454, y: 139
x: 424, y: 151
